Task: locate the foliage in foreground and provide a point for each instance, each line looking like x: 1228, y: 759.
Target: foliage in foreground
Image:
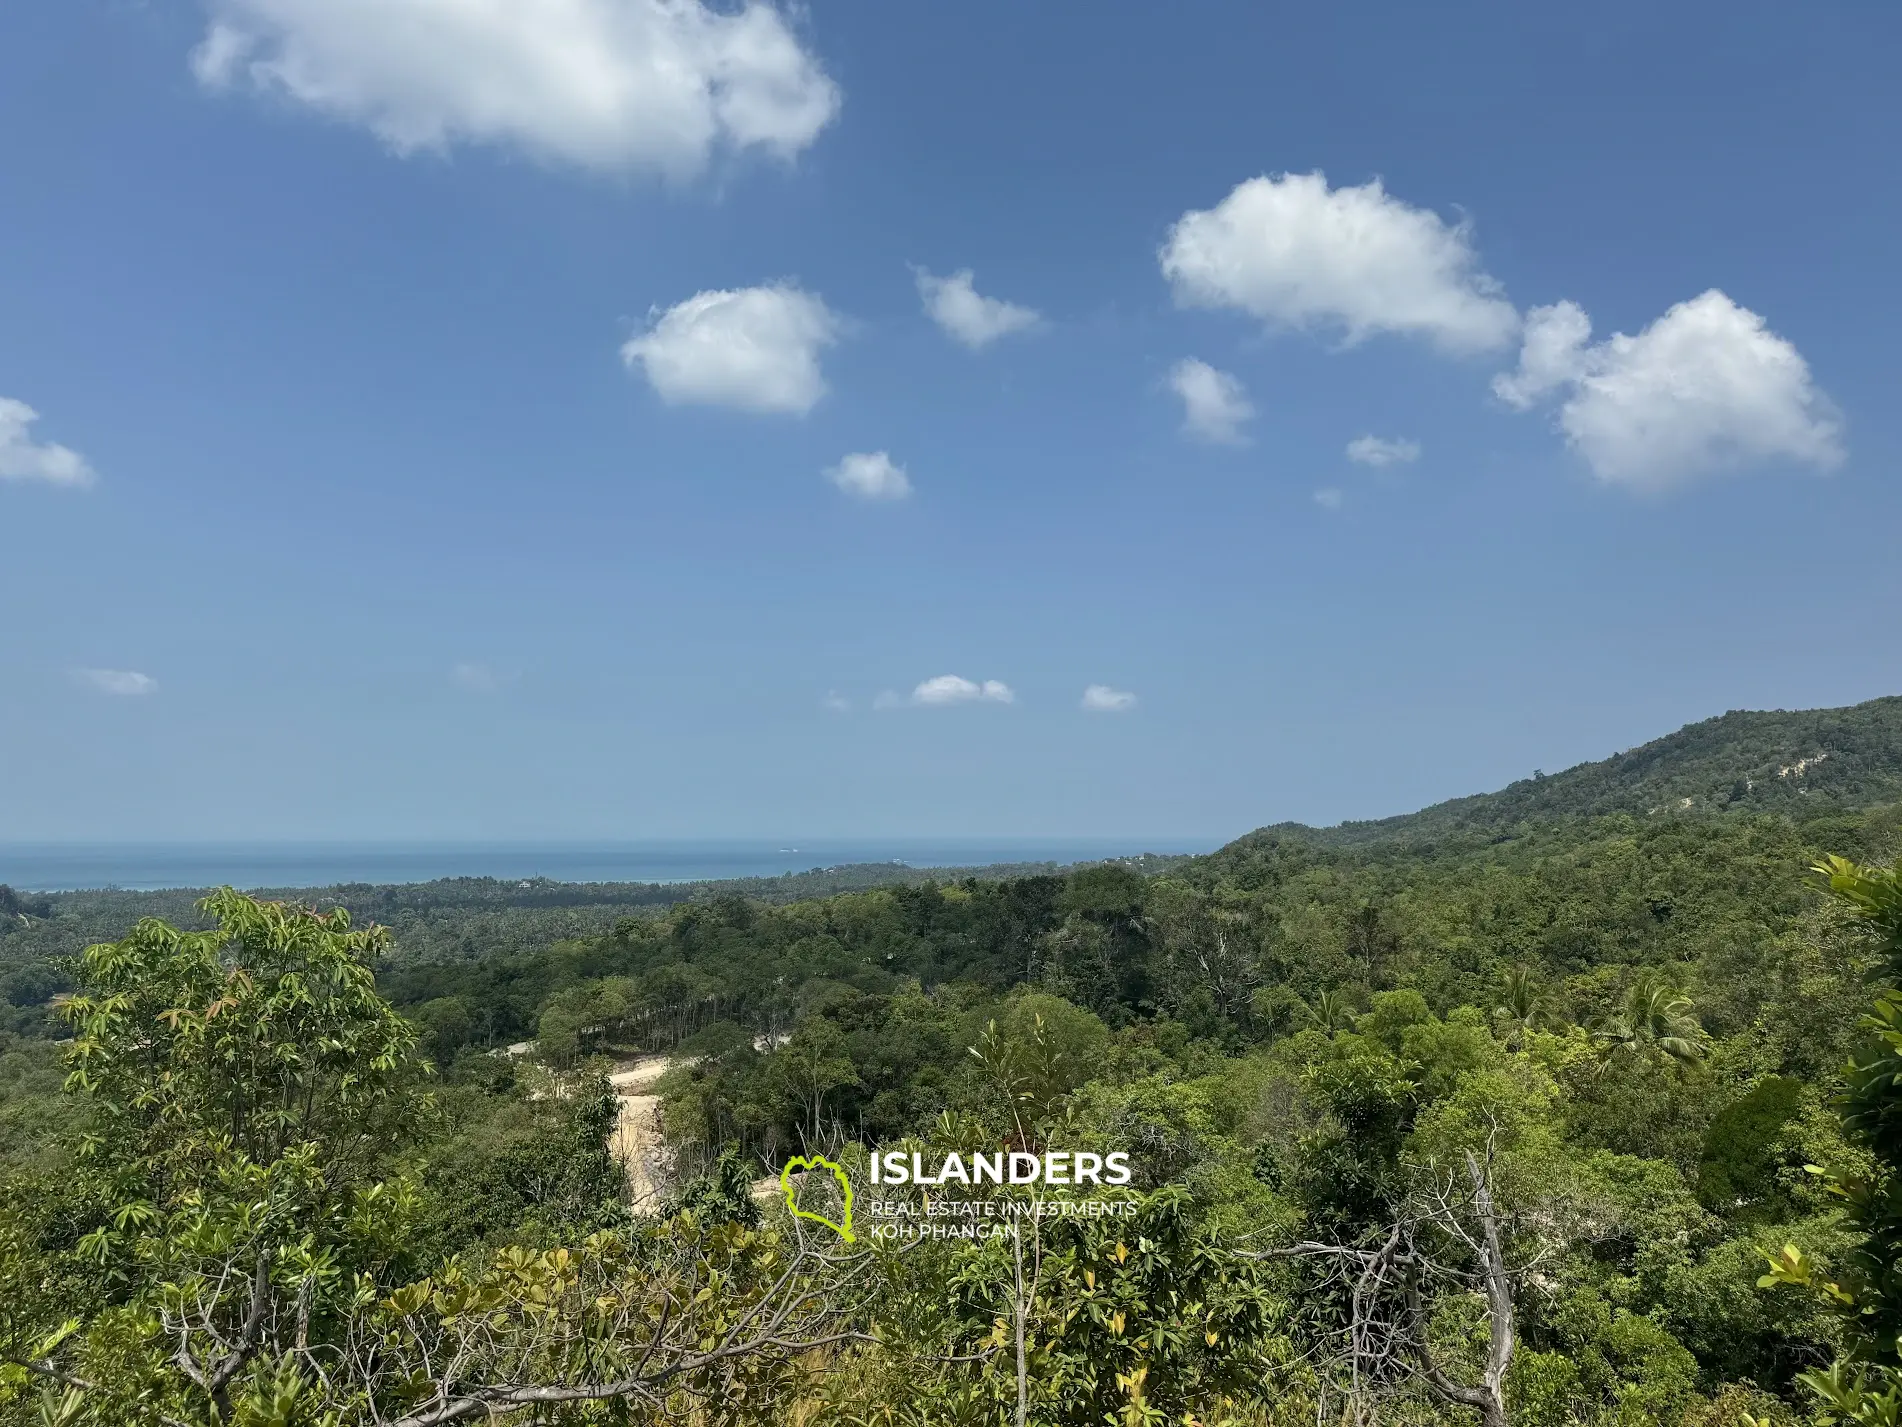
x: 1864, y: 1384
x: 233, y: 1239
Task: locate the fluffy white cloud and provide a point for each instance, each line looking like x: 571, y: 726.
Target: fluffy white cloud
x: 836, y: 702
x: 121, y: 683
x: 1101, y: 698
x: 870, y: 475
x: 24, y: 459
x: 1214, y: 406
x: 1294, y: 252
x: 1328, y: 498
x: 951, y: 689
x: 755, y: 348
x: 975, y: 320
x: 1378, y: 451
x: 1550, y: 354
x: 606, y: 84
x: 1706, y: 387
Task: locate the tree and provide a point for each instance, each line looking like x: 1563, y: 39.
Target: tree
x: 1371, y: 941
x: 721, y: 1195
x: 1471, y: 1224
x: 13, y: 905
x: 1448, y: 1241
x: 668, y: 1318
x: 1043, y: 1051
x: 1208, y: 947
x: 1524, y: 1004
x: 1655, y: 1020
x: 1864, y: 1384
x: 1330, y: 1011
x: 244, y: 1262
x: 245, y: 1087
x: 1031, y: 1073
x: 811, y: 1066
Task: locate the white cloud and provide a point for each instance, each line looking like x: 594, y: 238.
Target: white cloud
x: 952, y: 689
x: 1550, y: 354
x: 23, y: 459
x: 976, y: 321
x: 1328, y: 498
x: 1706, y: 387
x: 614, y: 85
x: 1378, y: 451
x: 755, y: 348
x: 121, y: 683
x: 1214, y: 406
x: 836, y: 702
x: 870, y: 475
x: 477, y: 678
x: 1101, y: 698
x: 1296, y: 253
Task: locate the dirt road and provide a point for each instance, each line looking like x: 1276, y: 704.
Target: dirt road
x: 636, y: 1141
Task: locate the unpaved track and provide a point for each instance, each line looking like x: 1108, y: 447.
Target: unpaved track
x: 636, y: 1140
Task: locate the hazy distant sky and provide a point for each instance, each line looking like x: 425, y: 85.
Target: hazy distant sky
x: 591, y: 418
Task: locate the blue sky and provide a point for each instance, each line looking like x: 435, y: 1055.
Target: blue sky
x: 442, y: 424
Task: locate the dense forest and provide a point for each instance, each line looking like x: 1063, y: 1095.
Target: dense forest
x: 1574, y: 1103
x: 456, y: 918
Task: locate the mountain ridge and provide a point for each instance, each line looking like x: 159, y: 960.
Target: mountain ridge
x: 1761, y: 761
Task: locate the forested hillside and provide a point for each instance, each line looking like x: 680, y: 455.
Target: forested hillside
x: 1534, y: 1113
x: 451, y: 919
x: 1740, y: 762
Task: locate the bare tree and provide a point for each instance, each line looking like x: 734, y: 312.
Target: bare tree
x: 1470, y: 1221
x: 663, y: 1320
x: 654, y: 1330
x: 1448, y: 1239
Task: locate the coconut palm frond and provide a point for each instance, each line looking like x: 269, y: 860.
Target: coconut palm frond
x: 1657, y: 1018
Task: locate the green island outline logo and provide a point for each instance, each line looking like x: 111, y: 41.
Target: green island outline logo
x: 817, y: 1161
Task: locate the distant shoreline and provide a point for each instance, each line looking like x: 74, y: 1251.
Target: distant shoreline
x: 151, y: 867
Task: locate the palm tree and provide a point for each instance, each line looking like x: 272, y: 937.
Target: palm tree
x: 1654, y: 1020
x: 1525, y: 1005
x: 1330, y: 1012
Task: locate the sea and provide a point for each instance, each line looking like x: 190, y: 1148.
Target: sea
x: 65, y: 867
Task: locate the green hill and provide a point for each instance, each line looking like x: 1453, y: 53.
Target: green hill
x: 1787, y: 762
